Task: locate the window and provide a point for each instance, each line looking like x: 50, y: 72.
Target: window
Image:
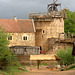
x: 43, y: 31
x: 25, y: 38
x: 10, y: 38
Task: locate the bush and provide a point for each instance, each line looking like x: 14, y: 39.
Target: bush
x: 66, y: 56
x: 7, y: 57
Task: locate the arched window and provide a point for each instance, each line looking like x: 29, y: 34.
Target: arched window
x: 24, y: 37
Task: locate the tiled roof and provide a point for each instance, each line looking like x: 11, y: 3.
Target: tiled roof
x: 19, y: 26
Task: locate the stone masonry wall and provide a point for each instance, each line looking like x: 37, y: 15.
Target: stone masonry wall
x: 62, y: 46
x: 17, y: 39
x: 46, y: 30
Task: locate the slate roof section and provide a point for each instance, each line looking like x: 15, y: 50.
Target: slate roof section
x: 19, y: 26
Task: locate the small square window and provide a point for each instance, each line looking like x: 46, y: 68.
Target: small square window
x: 25, y: 38
x: 10, y: 38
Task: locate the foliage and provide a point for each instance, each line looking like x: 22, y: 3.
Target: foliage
x: 70, y: 22
x: 12, y: 70
x: 7, y: 57
x: 71, y: 67
x: 66, y: 56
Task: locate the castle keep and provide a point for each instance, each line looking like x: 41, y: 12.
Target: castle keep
x: 37, y: 31
x: 48, y: 25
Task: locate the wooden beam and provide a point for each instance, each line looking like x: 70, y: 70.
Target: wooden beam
x: 30, y: 65
x: 38, y: 62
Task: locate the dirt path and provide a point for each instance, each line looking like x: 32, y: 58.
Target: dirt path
x: 44, y: 71
x: 71, y: 72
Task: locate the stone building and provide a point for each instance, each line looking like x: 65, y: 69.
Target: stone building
x: 21, y: 31
x: 39, y: 30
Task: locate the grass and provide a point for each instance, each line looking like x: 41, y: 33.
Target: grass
x: 71, y: 67
x: 45, y: 64
x: 12, y: 71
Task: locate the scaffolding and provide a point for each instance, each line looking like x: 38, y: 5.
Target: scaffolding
x: 47, y: 15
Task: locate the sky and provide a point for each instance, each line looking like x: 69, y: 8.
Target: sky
x: 22, y: 8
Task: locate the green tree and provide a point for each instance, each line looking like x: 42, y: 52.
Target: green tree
x: 7, y: 57
x: 70, y: 22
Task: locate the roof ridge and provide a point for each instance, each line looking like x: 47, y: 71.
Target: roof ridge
x: 17, y: 19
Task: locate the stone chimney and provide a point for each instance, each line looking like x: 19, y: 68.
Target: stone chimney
x: 15, y: 18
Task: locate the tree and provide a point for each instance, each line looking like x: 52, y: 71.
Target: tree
x: 70, y: 22
x: 7, y: 57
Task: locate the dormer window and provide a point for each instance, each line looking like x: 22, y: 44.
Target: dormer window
x: 10, y: 38
x: 24, y: 37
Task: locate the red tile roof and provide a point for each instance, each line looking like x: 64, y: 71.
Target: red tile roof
x: 20, y: 26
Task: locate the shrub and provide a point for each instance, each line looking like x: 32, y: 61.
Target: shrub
x: 66, y: 56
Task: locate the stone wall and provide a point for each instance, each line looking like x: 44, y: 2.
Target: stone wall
x: 17, y: 39
x: 48, y: 29
x: 56, y: 46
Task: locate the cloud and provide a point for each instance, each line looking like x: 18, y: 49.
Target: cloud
x: 21, y: 8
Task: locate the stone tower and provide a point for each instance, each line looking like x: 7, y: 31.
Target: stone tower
x: 48, y: 25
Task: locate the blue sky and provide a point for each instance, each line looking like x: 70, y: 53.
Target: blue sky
x: 22, y: 8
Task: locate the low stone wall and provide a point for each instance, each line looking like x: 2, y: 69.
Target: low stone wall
x: 25, y: 60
